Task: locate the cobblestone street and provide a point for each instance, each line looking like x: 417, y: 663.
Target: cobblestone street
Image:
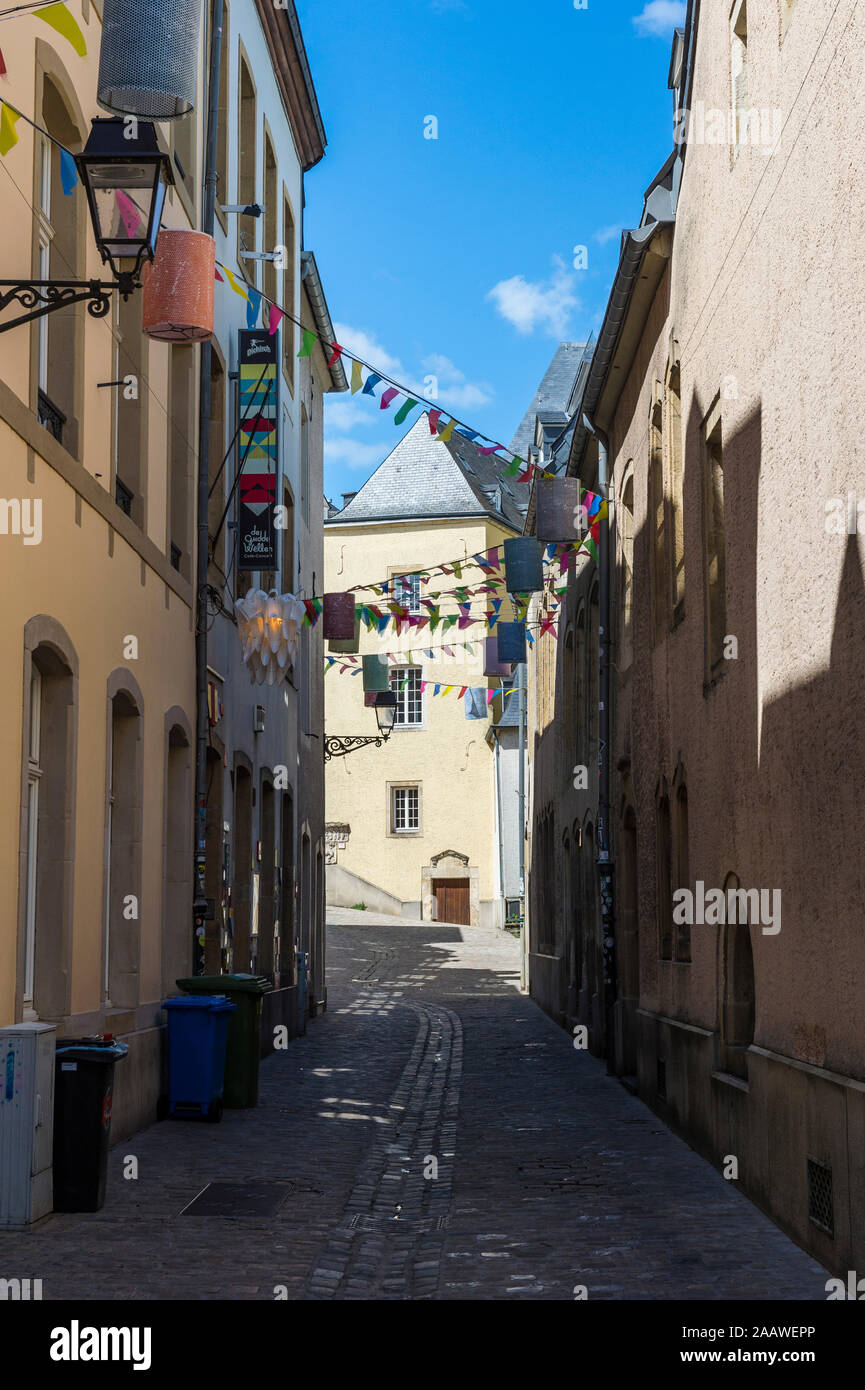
x: 549, y: 1174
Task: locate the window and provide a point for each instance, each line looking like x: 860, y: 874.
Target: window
x: 664, y: 896
x: 739, y: 75
x: 405, y: 810
x: 304, y: 464
x: 406, y: 591
x: 657, y: 505
x: 626, y: 536
x: 34, y: 776
x: 61, y: 255
x: 674, y: 453
x: 246, y: 170
x: 271, y: 220
x: 123, y: 870
x: 737, y: 991
x: 130, y: 414
x: 405, y: 683
x: 289, y: 291
x: 222, y: 113
x: 181, y: 402
x: 288, y: 542
x: 714, y: 541
x: 683, y: 873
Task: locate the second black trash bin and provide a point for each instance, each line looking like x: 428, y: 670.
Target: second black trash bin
x: 244, y: 1031
x: 83, y: 1096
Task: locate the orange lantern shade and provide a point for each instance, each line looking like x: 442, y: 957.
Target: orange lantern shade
x: 178, y: 286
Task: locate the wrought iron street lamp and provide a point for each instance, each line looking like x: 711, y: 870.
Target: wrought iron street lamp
x: 126, y: 181
x: 385, y: 716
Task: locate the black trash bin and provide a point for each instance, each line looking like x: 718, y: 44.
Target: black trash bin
x: 83, y: 1092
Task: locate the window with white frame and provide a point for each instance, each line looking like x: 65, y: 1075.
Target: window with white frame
x: 405, y: 683
x: 405, y: 810
x: 406, y: 591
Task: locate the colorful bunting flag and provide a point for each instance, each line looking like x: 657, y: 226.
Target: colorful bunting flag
x: 445, y: 434
x: 404, y: 411
x: 387, y: 396
x: 356, y: 377
x: 335, y: 355
x: 309, y: 341
x: 372, y: 382
x: 238, y: 289
x: 253, y: 307
x: 68, y: 172
x: 8, y: 134
x: 275, y: 315
x: 59, y: 18
x: 434, y: 417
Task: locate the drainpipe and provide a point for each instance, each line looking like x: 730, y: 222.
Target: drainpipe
x: 521, y: 670
x: 208, y: 218
x: 605, y: 859
x: 500, y: 823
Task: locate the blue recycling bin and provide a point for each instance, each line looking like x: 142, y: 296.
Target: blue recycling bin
x: 197, y: 1037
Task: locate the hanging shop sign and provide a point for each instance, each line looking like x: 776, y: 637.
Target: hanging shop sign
x: 258, y: 445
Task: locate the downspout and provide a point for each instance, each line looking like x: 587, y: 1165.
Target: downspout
x: 605, y: 859
x: 522, y: 827
x: 208, y: 217
x: 500, y: 823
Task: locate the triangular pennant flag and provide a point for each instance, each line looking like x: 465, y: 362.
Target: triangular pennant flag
x: 356, y: 377
x: 238, y: 289
x: 372, y: 382
x: 387, y: 396
x: 59, y: 18
x: 335, y: 355
x: 8, y: 135
x: 275, y: 315
x: 252, y: 308
x: 405, y: 409
x: 491, y: 450
x: 2, y: 65
x: 434, y: 417
x: 513, y: 467
x: 309, y: 341
x: 217, y: 275
x: 68, y: 172
x: 445, y: 434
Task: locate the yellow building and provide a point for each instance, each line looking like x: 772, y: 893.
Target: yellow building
x: 414, y: 824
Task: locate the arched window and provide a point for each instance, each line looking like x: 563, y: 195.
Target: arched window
x: 664, y: 862
x: 658, y: 517
x: 626, y: 540
x: 247, y: 166
x: 677, y: 521
x: 124, y: 823
x: 682, y: 872
x: 177, y: 937
x: 61, y: 256
x: 241, y: 897
x: 738, y: 997
x: 267, y: 897
x: 47, y: 830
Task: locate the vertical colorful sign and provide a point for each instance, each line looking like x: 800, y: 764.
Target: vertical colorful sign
x: 258, y: 444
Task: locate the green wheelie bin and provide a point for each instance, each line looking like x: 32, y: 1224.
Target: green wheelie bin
x: 244, y: 1031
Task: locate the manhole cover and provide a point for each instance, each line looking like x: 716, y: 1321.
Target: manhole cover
x: 238, y: 1199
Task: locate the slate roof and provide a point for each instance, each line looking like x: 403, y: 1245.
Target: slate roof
x: 553, y: 394
x: 425, y: 478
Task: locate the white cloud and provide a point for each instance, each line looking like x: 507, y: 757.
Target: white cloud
x: 453, y: 388
x: 344, y: 413
x: 353, y: 454
x: 605, y: 234
x: 529, y: 305
x: 658, y: 17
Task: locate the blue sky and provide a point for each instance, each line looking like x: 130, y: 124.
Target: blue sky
x: 455, y: 256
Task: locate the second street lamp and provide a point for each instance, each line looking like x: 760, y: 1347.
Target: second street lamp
x: 126, y: 181
x: 336, y: 746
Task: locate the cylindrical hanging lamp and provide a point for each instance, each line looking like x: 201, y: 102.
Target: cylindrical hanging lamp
x: 376, y: 673
x: 492, y: 665
x: 558, y: 516
x: 512, y: 641
x: 177, y: 304
x: 148, y: 58
x: 524, y: 567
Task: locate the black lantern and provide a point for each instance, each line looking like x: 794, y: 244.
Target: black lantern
x: 385, y: 711
x: 126, y: 180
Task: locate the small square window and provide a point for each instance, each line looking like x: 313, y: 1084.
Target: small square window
x: 405, y: 810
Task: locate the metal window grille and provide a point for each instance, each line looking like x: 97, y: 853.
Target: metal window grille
x: 51, y: 416
x: 405, y: 683
x: 406, y: 591
x: 406, y: 809
x: 820, y: 1205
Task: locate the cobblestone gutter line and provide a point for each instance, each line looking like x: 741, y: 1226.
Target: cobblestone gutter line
x: 388, y: 1244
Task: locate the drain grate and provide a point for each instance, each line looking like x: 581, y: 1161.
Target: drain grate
x: 239, y: 1199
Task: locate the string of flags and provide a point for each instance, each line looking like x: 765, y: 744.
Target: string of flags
x: 58, y: 18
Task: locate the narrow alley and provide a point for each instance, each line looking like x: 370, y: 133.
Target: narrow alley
x: 549, y: 1177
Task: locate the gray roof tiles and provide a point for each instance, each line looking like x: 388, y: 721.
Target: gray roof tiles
x: 553, y: 394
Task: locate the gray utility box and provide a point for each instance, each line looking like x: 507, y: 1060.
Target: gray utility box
x: 26, y: 1123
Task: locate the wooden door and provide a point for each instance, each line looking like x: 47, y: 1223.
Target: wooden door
x: 453, y: 902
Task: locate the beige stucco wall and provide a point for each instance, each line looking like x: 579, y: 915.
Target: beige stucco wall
x: 448, y: 756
